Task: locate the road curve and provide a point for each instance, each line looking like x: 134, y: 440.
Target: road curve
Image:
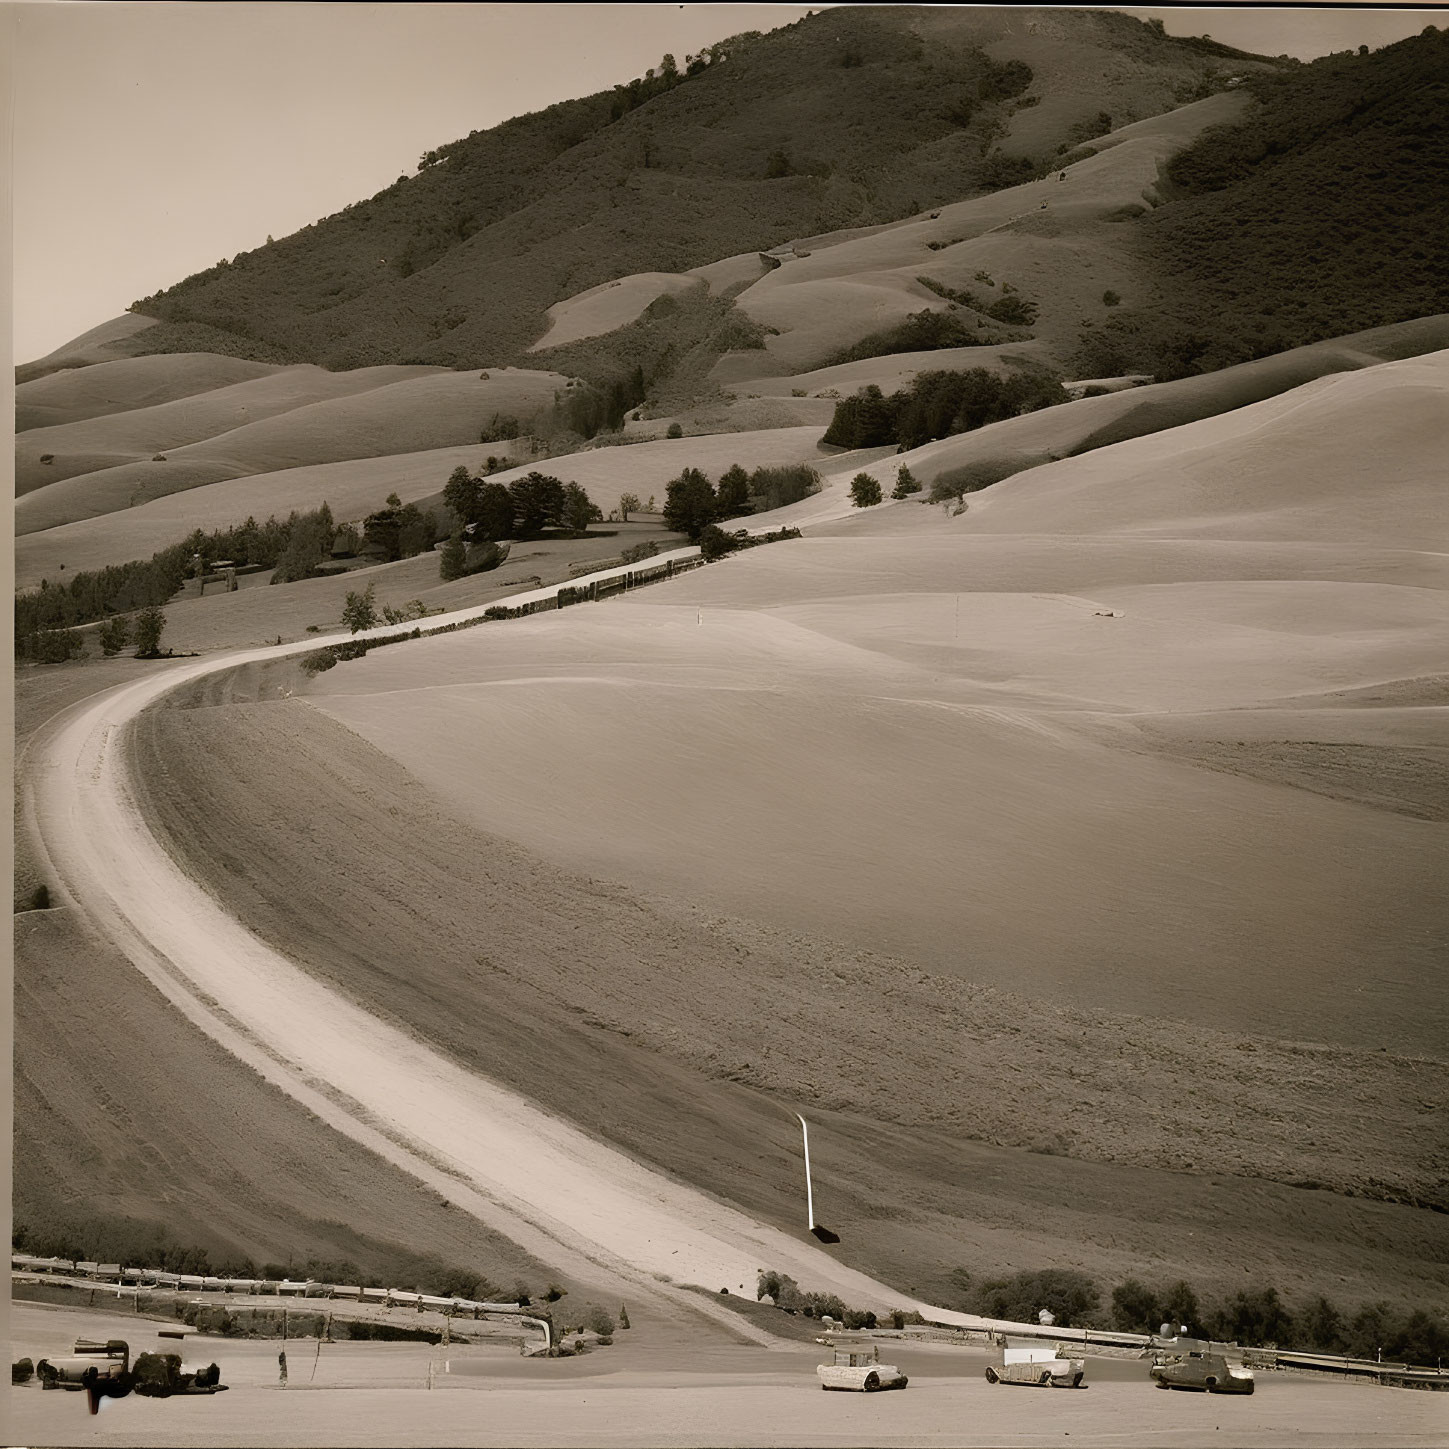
x: 572, y: 1201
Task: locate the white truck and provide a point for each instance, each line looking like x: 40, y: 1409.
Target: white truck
x: 1037, y: 1364
x: 857, y: 1366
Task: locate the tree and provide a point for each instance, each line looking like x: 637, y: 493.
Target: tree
x: 734, y: 492
x: 1135, y: 1308
x: 451, y: 559
x: 114, y: 635
x: 578, y: 510
x: 149, y: 624
x: 460, y: 496
x: 1180, y: 1307
x: 384, y: 528
x: 689, y: 504
x: 864, y: 491
x: 537, y: 502
x: 309, y: 541
x: 360, y: 610
x: 629, y: 503
x: 906, y: 483
x: 417, y: 531
x: 494, y: 518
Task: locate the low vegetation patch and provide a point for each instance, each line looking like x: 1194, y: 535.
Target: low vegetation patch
x: 925, y: 331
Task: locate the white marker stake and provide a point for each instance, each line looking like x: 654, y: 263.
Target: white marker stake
x: 809, y: 1194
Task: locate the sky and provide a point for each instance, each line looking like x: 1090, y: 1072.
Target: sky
x: 151, y: 140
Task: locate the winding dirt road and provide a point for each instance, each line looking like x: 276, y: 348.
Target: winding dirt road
x: 570, y: 1200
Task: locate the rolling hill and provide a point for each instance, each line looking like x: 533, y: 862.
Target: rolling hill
x: 852, y: 117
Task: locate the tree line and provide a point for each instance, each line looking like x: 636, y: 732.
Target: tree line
x: 938, y: 405
x: 1252, y: 1317
x: 43, y: 614
x: 692, y: 503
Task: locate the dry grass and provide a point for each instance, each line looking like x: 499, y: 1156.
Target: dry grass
x: 132, y: 382
x: 608, y: 306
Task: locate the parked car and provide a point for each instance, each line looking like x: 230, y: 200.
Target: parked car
x: 1037, y: 1365
x: 1204, y: 1372
x: 857, y: 1366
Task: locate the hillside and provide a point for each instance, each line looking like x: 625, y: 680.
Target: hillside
x: 977, y: 804
x: 852, y: 117
x: 1322, y: 212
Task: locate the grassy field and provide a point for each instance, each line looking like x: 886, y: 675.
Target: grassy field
x: 1079, y: 878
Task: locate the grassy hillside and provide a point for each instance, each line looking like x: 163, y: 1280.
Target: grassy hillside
x: 852, y: 117
x: 1321, y: 213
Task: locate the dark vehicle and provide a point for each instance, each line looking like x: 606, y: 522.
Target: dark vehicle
x: 1204, y: 1372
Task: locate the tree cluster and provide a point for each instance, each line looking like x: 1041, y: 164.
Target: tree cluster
x: 692, y: 503
x: 400, y: 530
x: 522, y: 509
x: 1252, y: 1317
x: 44, y: 615
x: 1257, y: 1316
x: 937, y: 405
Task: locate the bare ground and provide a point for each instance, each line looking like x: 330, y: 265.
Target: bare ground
x: 958, y: 1125
x: 648, y: 1392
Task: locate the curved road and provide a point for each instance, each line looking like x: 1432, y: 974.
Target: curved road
x: 572, y: 1201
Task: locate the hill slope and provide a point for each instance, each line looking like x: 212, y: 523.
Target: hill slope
x: 852, y: 117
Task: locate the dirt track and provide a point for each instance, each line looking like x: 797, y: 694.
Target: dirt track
x: 549, y: 1187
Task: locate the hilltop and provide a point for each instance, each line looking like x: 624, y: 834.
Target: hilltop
x: 853, y: 117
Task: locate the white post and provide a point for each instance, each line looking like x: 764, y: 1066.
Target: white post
x: 809, y: 1193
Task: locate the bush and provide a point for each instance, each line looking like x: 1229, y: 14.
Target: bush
x: 674, y: 431
x: 714, y: 542
x: 500, y: 428
x: 114, y: 635
x: 1135, y: 1308
x: 777, y: 487
x: 920, y: 332
x: 864, y: 491
x: 1014, y: 310
x: 360, y: 610
x: 149, y: 624
x: 971, y: 478
x: 1070, y: 1296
